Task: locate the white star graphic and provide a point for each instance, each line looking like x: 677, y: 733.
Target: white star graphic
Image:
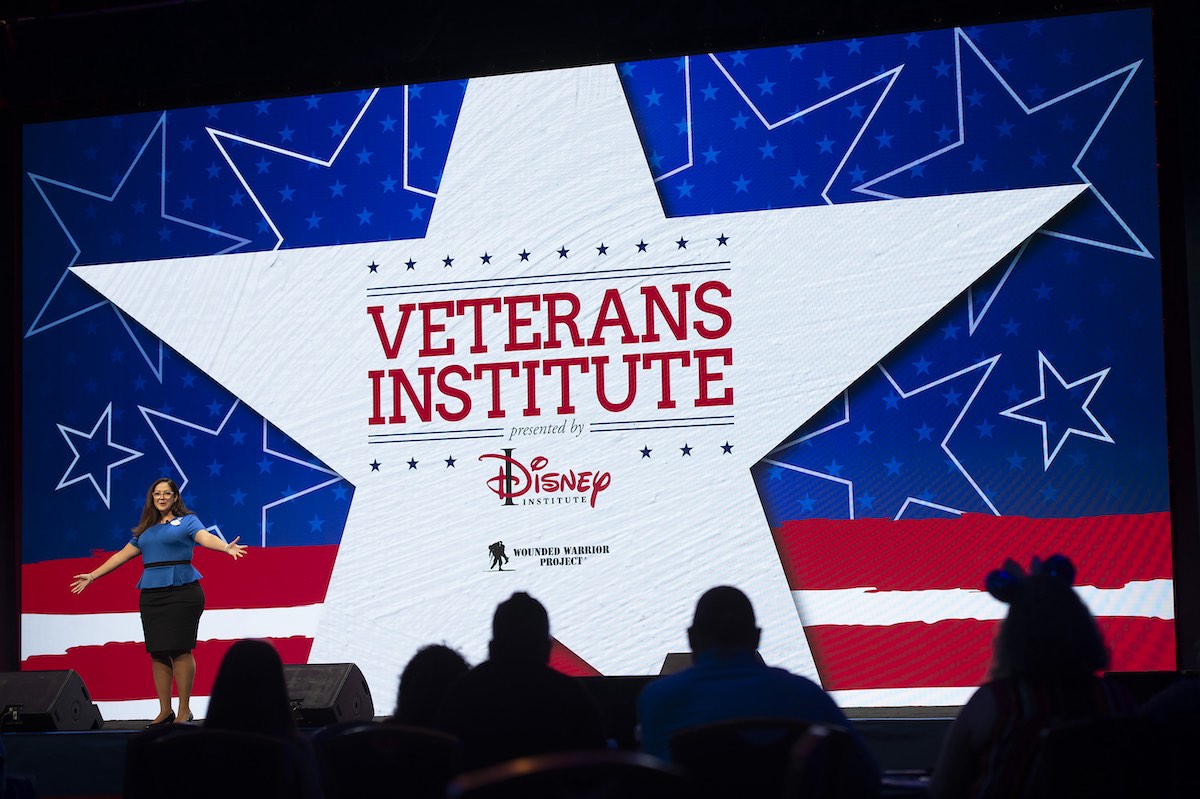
x: 539, y: 162
x: 888, y: 76
x: 219, y: 138
x: 150, y: 415
x: 986, y: 365
x: 1099, y: 433
x: 67, y: 433
x: 39, y: 324
x: 1125, y: 74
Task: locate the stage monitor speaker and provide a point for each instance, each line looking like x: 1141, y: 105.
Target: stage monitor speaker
x: 1144, y: 684
x: 327, y: 693
x: 46, y: 701
x: 675, y: 661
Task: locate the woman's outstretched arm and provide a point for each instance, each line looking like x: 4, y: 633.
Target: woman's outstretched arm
x: 118, y: 558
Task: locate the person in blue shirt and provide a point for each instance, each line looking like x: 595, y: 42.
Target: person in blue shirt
x: 171, y: 597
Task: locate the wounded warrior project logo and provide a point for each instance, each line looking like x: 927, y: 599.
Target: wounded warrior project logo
x: 496, y: 551
x: 516, y: 481
x: 546, y: 556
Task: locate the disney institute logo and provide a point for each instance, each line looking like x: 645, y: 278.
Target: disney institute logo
x: 534, y: 484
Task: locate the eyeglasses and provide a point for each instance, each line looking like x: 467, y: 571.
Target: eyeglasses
x: 161, y: 494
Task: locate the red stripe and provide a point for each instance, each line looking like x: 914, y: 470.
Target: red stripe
x: 565, y: 661
x: 957, y: 652
x: 912, y: 554
x: 268, y: 577
x: 115, y: 672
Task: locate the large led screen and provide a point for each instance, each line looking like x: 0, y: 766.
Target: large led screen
x: 845, y: 324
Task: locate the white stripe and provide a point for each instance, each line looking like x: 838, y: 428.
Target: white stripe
x: 903, y: 697
x: 53, y: 634
x: 869, y: 606
x: 131, y: 709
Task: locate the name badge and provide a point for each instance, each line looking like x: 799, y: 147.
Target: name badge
x: 174, y: 522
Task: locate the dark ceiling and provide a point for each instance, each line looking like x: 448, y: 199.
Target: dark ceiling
x: 82, y: 57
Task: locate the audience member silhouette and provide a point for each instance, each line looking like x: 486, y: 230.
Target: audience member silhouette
x: 1175, y: 713
x: 513, y: 704
x: 1179, y: 702
x: 1045, y: 660
x: 249, y: 695
x: 728, y: 680
x: 424, y: 682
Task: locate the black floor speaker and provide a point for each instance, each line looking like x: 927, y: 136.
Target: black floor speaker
x: 327, y: 693
x: 675, y: 661
x: 46, y: 701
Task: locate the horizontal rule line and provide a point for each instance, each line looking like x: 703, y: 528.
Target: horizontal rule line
x: 443, y: 438
x: 440, y: 432
x: 536, y: 280
x: 552, y: 275
x: 661, y: 427
x: 681, y: 419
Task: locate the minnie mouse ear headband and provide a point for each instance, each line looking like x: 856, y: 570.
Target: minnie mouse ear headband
x: 1004, y: 583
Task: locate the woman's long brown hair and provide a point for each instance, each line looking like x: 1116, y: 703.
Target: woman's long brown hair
x: 150, y: 516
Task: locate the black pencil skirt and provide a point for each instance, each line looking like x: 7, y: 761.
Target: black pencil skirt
x: 171, y: 616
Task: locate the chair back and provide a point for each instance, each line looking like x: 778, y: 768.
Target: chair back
x: 745, y: 757
x: 1100, y: 758
x: 825, y: 764
x: 140, y: 776
x: 598, y: 774
x: 228, y: 764
x: 1181, y: 739
x: 359, y: 759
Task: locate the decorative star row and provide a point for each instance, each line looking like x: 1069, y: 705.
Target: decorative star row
x: 686, y: 452
x: 563, y: 252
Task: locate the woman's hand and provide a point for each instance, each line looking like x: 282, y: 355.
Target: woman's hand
x: 235, y: 550
x: 82, y: 581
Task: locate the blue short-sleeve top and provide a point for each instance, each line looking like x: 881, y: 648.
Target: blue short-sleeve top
x: 164, y: 543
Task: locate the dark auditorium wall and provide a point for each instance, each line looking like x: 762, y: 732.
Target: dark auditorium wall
x: 64, y: 58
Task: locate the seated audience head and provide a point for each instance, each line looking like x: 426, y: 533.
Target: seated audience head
x: 514, y: 704
x: 1048, y: 630
x: 424, y: 682
x: 249, y: 693
x: 520, y: 631
x: 724, y: 621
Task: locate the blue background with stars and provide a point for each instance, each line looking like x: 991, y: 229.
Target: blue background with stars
x: 107, y: 407
x: 951, y: 421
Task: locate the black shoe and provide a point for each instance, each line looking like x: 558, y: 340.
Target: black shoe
x: 170, y: 718
x: 189, y: 719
